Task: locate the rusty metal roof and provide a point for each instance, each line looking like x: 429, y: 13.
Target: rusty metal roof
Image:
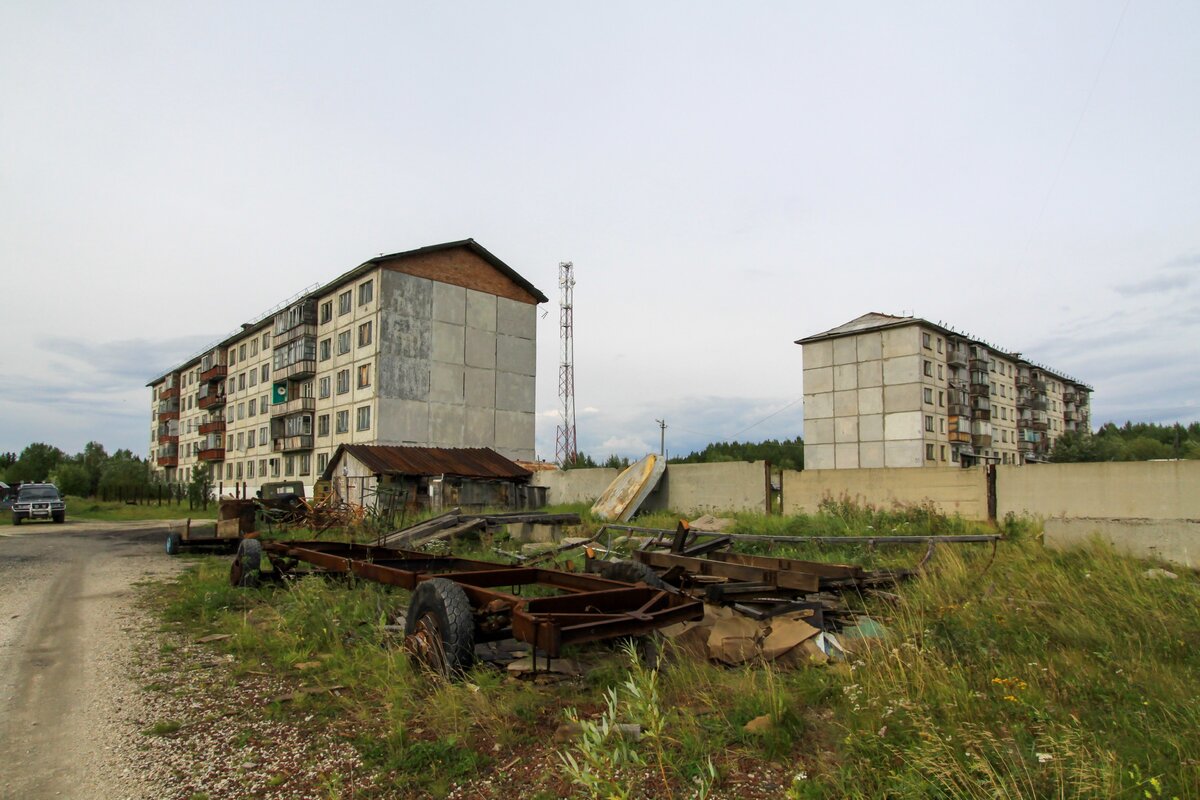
x: 464, y: 462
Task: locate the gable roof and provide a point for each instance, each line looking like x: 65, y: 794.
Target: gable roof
x: 463, y: 462
x: 867, y: 322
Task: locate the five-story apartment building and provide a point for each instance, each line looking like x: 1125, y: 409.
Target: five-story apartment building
x: 430, y: 347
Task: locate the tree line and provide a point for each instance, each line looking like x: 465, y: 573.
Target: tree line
x: 788, y: 454
x: 1133, y: 441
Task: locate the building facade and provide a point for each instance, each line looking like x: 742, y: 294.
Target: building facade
x: 886, y: 391
x: 433, y: 347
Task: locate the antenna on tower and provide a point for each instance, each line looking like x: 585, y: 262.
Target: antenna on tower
x: 565, y: 450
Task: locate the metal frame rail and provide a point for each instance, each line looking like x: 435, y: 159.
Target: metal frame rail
x: 584, y: 608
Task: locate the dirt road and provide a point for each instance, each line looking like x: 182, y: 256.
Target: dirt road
x: 67, y: 621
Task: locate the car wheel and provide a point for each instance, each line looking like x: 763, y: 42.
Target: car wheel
x: 59, y: 518
x: 16, y: 520
x: 173, y: 542
x: 633, y: 572
x: 440, y: 628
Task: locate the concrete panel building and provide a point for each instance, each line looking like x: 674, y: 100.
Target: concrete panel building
x: 886, y: 391
x: 433, y: 347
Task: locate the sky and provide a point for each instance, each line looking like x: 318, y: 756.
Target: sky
x: 726, y: 179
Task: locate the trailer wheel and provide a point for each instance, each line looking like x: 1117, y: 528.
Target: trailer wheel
x: 174, y: 540
x: 246, y: 564
x: 440, y: 627
x: 633, y: 572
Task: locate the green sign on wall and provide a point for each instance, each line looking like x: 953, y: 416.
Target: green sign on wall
x: 279, y: 393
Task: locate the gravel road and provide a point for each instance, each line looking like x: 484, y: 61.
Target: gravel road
x: 69, y: 635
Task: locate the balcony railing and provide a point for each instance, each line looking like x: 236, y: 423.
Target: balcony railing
x: 300, y: 369
x: 305, y: 329
x: 981, y: 439
x: 981, y: 390
x: 1023, y: 381
x: 956, y: 358
x: 168, y: 461
x: 212, y: 426
x: 1039, y: 425
x: 167, y: 392
x: 1027, y: 447
x: 1038, y: 385
x: 284, y: 444
x: 212, y: 454
x: 215, y: 400
x: 168, y: 438
x: 979, y: 363
x: 1070, y: 398
x: 294, y: 406
x: 958, y: 410
x: 166, y: 415
x: 960, y: 436
x: 214, y: 373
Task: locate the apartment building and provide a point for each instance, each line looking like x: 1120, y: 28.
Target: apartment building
x: 887, y: 391
x: 429, y: 347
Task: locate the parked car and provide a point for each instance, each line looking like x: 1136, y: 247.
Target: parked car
x: 39, y: 501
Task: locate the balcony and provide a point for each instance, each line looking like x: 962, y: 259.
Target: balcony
x: 294, y: 406
x: 286, y: 444
x: 1039, y: 425
x: 960, y: 437
x: 1071, y: 415
x: 212, y: 454
x: 168, y: 414
x: 1023, y: 381
x: 958, y: 410
x: 1070, y: 397
x: 168, y: 438
x: 167, y: 392
x: 214, y: 373
x: 1027, y: 447
x: 1024, y: 400
x: 981, y: 390
x: 212, y: 426
x: 213, y: 400
x: 304, y: 368
x: 981, y: 439
x: 168, y: 461
x: 1038, y: 385
x: 980, y: 364
x: 306, y: 329
x: 956, y: 358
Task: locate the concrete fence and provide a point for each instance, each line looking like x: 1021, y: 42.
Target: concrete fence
x: 687, y: 488
x: 951, y: 490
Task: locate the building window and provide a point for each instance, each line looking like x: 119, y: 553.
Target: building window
x: 241, y: 412
x: 992, y: 364
x: 262, y: 466
x: 925, y: 341
x: 344, y: 300
x: 929, y: 395
x: 262, y: 437
x: 364, y: 376
x: 250, y: 464
x: 941, y: 399
x: 366, y: 293
x: 323, y: 385
x: 343, y: 421
x: 266, y: 372
x: 928, y: 368
x: 326, y: 311
x: 954, y: 455
x: 326, y: 349
x: 242, y: 382
x: 274, y: 467
x: 241, y: 441
x: 343, y: 381
x: 231, y: 359
x: 241, y: 357
x: 943, y: 452
x: 239, y: 470
x: 266, y: 340
x: 251, y: 407
x: 228, y: 471
x: 364, y: 334
x: 363, y: 418
x: 305, y: 463
x: 940, y: 373
x: 323, y: 425
x: 289, y: 466
x: 942, y: 427
x: 322, y: 461
x: 939, y: 349
x: 929, y: 452
x: 250, y: 439
x: 343, y: 343
x: 929, y: 422
x: 253, y: 347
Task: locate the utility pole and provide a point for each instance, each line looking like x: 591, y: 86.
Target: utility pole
x: 662, y: 437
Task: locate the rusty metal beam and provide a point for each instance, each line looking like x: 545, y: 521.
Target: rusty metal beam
x: 784, y: 579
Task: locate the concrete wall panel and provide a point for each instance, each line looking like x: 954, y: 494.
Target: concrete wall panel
x: 870, y: 455
x: 845, y: 456
x: 449, y: 342
x: 903, y: 454
x: 481, y: 348
x: 870, y: 346
x: 481, y: 311
x: 870, y: 401
x: 870, y: 373
x: 517, y: 355
x: 1130, y: 490
x: 574, y: 485
x: 818, y: 431
x: 845, y: 350
x: 450, y: 304
x: 845, y: 377
x: 818, y: 380
x: 952, y: 490
x: 818, y: 406
x: 818, y: 354
x: 695, y: 489
x: 516, y: 319
x: 845, y: 403
x: 818, y: 456
x: 1174, y: 540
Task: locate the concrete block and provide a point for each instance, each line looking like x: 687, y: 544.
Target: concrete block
x: 818, y: 354
x: 514, y: 392
x: 535, y: 533
x: 481, y: 427
x: 481, y: 311
x: 870, y: 346
x: 1176, y: 541
x: 870, y: 428
x: 870, y: 401
x: 514, y: 354
x: 818, y: 380
x: 515, y: 318
x: 845, y: 377
x: 402, y: 422
x: 845, y: 404
x: 902, y: 425
x: 817, y: 405
x: 481, y: 348
x: 845, y: 429
x: 870, y: 373
x: 901, y: 341
x: 818, y: 431
x: 870, y: 455
x: 819, y: 456
x: 901, y: 369
x: 902, y: 397
x: 481, y: 388
x: 446, y: 384
x: 449, y: 343
x: 447, y: 424
x: 846, y: 456
x: 845, y: 350
x: 514, y: 434
x: 449, y: 304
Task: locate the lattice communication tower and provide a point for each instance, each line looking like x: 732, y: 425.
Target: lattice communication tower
x: 565, y: 450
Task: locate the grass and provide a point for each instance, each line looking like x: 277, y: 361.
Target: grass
x: 1039, y: 674
x: 83, y: 508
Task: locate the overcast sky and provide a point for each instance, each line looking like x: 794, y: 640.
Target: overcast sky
x: 726, y: 178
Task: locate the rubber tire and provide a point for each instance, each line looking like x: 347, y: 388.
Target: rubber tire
x: 174, y: 543
x: 16, y: 520
x: 59, y: 518
x: 633, y: 572
x: 247, y: 564
x: 444, y: 604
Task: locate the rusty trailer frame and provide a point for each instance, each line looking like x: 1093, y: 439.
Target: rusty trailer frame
x: 584, y: 608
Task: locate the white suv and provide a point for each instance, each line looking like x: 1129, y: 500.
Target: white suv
x: 38, y: 501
